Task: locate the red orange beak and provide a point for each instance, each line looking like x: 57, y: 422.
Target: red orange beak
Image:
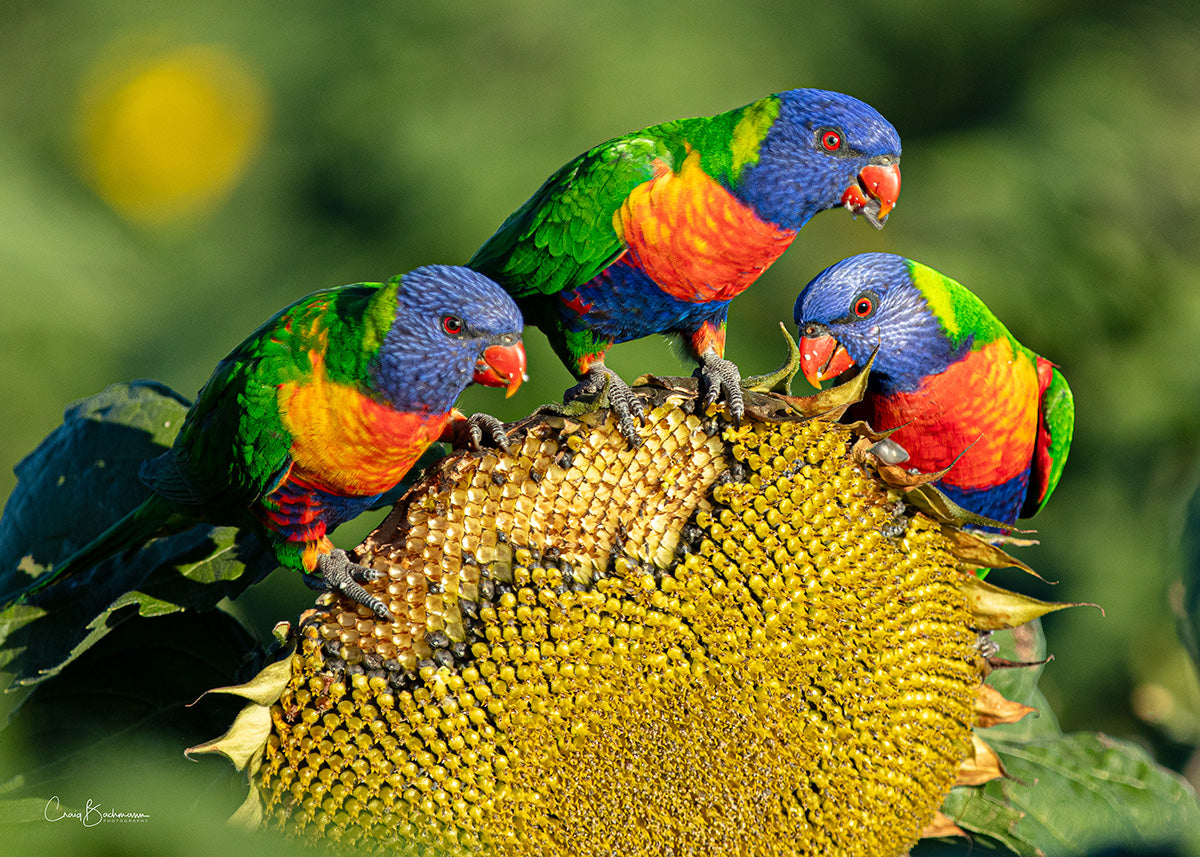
x: 874, y: 193
x: 502, y: 366
x: 823, y: 357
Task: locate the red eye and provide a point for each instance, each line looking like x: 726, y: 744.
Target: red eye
x: 452, y: 325
x: 831, y: 140
x: 863, y: 307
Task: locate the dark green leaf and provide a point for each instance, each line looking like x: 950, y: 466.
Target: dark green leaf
x: 131, y: 688
x: 1076, y: 794
x: 83, y: 476
x: 37, y: 641
x: 78, y: 481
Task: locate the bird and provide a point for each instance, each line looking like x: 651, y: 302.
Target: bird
x: 958, y: 392
x: 325, y: 407
x: 658, y: 230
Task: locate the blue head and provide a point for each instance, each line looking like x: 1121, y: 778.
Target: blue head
x: 452, y: 326
x: 824, y: 150
x: 866, y: 302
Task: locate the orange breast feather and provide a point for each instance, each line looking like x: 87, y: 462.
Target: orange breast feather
x: 694, y: 238
x: 348, y: 443
x: 980, y: 415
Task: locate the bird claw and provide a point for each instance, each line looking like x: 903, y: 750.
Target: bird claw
x: 481, y: 426
x: 603, y: 387
x: 898, y: 524
x: 339, y: 574
x: 628, y: 410
x: 720, y: 379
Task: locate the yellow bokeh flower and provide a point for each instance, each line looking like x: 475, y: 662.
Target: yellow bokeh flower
x: 168, y: 137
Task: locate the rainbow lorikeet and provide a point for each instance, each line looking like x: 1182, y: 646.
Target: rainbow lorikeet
x: 955, y: 386
x: 658, y: 230
x: 320, y: 411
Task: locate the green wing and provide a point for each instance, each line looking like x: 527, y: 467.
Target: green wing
x: 1056, y: 423
x: 233, y: 445
x: 563, y: 235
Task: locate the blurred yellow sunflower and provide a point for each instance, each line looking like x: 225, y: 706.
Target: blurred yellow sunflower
x: 167, y: 137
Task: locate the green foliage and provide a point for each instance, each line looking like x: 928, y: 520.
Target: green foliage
x: 1068, y: 794
x: 138, y: 681
x: 1024, y: 646
x: 1188, y: 612
x: 109, y: 729
x: 1046, y: 164
x: 83, y: 476
x: 109, y: 663
x: 79, y: 480
x: 1077, y: 794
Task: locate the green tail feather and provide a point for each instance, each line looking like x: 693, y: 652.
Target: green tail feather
x: 131, y: 531
x: 1058, y: 413
x: 1056, y: 419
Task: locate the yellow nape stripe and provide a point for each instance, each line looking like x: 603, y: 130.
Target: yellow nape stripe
x: 936, y: 289
x: 380, y: 313
x: 750, y: 130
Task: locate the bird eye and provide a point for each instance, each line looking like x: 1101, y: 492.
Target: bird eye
x: 452, y: 325
x: 831, y: 140
x: 864, y: 306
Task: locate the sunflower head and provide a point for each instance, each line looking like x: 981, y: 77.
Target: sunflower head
x: 730, y: 640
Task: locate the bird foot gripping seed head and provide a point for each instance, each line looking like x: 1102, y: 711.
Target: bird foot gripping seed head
x: 603, y: 388
x: 339, y: 574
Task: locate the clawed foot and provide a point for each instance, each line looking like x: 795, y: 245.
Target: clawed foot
x: 485, y: 426
x: 339, y: 574
x: 898, y: 525
x: 602, y: 387
x: 720, y: 379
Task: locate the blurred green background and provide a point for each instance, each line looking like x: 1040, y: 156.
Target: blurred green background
x: 173, y: 173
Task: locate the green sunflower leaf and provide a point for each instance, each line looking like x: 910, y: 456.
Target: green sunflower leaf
x: 83, y: 476
x: 1025, y: 644
x: 1078, y: 794
x: 78, y: 481
x: 135, y: 687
